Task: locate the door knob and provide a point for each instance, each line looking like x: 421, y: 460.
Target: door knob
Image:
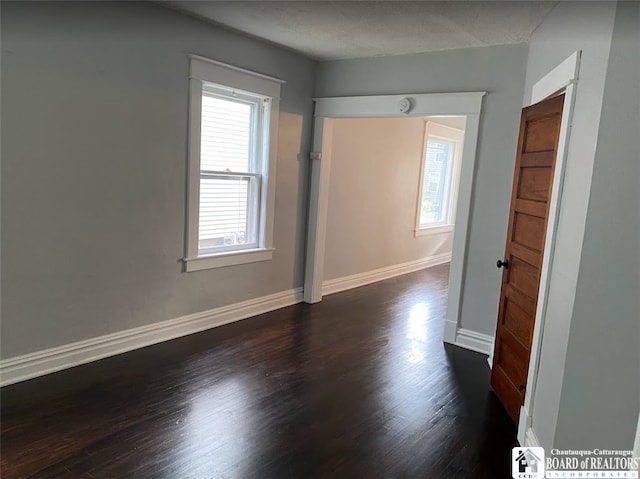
x: 502, y: 264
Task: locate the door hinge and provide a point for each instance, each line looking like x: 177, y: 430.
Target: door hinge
x: 315, y: 155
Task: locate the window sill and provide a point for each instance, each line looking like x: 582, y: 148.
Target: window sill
x: 231, y: 258
x: 434, y: 230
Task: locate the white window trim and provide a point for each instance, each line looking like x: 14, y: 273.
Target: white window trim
x: 434, y: 230
x: 455, y: 135
x: 235, y: 79
x: 229, y: 258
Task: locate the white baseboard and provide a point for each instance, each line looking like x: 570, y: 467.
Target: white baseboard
x: 450, y: 332
x: 524, y: 424
x: 478, y: 342
x: 39, y: 363
x: 361, y: 279
x: 526, y: 435
x: 491, y: 350
x: 530, y: 439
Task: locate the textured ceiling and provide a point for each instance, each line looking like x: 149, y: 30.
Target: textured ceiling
x: 345, y: 29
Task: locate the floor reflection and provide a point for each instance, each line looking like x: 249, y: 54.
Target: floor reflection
x: 359, y: 385
x: 217, y: 431
x: 416, y: 332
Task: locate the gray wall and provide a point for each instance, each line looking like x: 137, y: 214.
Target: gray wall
x: 571, y: 26
x: 94, y: 128
x: 601, y: 389
x: 373, y: 194
x: 500, y: 71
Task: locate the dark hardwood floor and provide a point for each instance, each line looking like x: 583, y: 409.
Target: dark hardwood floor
x: 359, y: 386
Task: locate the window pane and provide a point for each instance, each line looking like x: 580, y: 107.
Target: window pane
x: 226, y: 135
x: 433, y: 183
x: 224, y: 212
x: 437, y: 178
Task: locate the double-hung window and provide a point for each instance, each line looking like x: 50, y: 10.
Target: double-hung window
x: 232, y: 144
x: 439, y: 178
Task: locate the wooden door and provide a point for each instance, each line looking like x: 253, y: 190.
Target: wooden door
x: 522, y: 263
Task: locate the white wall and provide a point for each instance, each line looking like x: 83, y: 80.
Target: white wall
x: 601, y: 388
x: 499, y: 71
x: 94, y: 135
x: 373, y: 193
x: 569, y: 27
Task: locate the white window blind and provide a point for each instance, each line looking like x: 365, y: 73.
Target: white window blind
x: 229, y: 182
x: 225, y: 134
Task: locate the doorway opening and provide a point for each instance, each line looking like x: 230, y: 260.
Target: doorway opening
x: 392, y: 197
x: 327, y: 112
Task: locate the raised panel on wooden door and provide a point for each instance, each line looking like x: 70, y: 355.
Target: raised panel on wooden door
x: 534, y: 183
x: 513, y: 358
x: 528, y: 231
x: 523, y: 276
x: 537, y: 137
x: 517, y: 321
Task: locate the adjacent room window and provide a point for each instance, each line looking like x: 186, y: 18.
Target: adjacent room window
x: 232, y: 125
x: 439, y: 178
